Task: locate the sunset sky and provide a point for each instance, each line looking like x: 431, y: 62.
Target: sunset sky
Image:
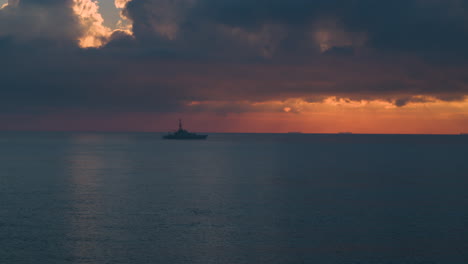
x: 316, y: 66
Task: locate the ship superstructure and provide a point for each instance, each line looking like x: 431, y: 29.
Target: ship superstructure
x: 183, y: 134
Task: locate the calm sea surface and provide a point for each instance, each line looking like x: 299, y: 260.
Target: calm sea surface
x: 235, y: 198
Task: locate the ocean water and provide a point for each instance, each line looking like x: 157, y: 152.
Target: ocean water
x: 235, y: 198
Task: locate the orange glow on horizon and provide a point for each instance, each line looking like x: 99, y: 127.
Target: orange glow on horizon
x: 332, y: 115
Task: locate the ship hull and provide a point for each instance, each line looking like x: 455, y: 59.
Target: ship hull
x: 174, y: 137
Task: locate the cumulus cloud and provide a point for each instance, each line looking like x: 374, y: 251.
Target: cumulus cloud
x: 72, y: 21
x: 95, y: 33
x: 121, y: 3
x: 123, y: 24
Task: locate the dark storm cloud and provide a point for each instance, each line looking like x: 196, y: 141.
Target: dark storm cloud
x: 195, y: 50
x: 404, y: 101
x: 420, y: 26
x: 30, y: 25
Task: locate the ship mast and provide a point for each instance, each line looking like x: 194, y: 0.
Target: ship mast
x: 180, y: 124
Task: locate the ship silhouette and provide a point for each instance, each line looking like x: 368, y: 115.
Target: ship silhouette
x: 183, y: 134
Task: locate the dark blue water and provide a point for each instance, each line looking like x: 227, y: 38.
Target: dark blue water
x: 134, y: 198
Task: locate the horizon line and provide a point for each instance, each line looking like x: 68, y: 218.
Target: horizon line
x: 279, y: 133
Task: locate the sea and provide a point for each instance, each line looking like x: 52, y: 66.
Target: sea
x: 89, y: 198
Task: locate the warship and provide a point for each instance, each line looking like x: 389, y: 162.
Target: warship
x: 183, y: 134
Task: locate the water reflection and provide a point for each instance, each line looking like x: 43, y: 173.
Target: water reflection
x: 90, y: 164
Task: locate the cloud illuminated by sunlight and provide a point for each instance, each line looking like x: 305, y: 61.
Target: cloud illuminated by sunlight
x: 330, y: 104
x: 121, y: 3
x: 95, y: 33
x: 8, y: 3
x: 124, y: 24
x: 334, y: 114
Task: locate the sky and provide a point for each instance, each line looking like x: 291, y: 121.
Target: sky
x: 322, y: 66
